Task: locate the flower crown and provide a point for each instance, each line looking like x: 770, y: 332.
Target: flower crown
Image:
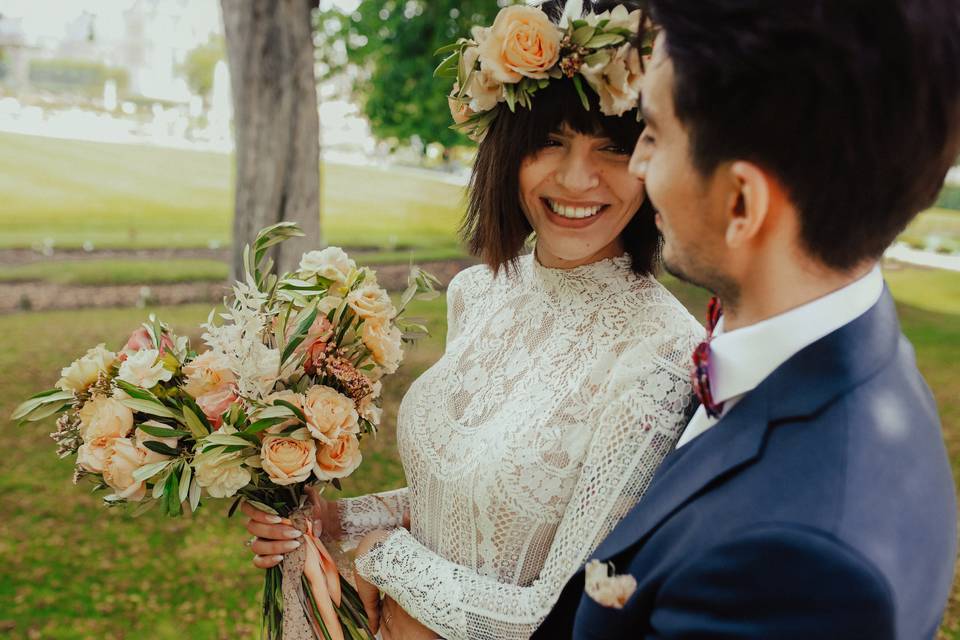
x: 523, y: 50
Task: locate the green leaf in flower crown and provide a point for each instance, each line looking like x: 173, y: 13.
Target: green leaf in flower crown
x: 605, y: 40
x: 449, y: 67
x: 578, y: 84
x: 159, y: 447
x: 582, y: 35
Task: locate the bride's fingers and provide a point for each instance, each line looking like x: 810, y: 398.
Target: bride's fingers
x: 370, y: 597
x: 273, y: 531
x: 260, y: 516
x: 263, y: 547
x: 265, y: 562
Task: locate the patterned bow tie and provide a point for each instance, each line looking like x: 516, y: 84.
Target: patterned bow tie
x: 700, y: 375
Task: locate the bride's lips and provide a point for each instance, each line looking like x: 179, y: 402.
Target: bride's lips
x: 573, y: 223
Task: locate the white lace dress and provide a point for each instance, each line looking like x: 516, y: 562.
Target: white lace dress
x: 559, y: 393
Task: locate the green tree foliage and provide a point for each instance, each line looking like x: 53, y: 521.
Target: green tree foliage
x: 391, y: 44
x: 198, y: 66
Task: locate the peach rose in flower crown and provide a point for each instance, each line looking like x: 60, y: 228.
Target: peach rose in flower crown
x: 288, y: 459
x: 338, y: 460
x: 522, y: 42
x: 122, y: 461
x: 329, y: 414
x: 617, y: 81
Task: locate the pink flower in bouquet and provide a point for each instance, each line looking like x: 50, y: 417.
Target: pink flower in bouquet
x: 216, y: 402
x: 140, y: 340
x: 338, y: 460
x: 288, y: 459
x: 208, y: 372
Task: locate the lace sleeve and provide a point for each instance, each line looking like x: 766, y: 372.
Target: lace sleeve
x: 648, y: 399
x: 361, y: 515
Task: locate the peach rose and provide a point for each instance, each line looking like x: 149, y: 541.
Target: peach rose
x: 370, y: 302
x: 617, y: 81
x: 123, y: 459
x: 384, y: 342
x: 288, y: 459
x: 338, y: 460
x: 521, y: 43
x: 482, y: 87
x: 92, y: 456
x: 210, y: 371
x: 104, y: 417
x: 329, y: 414
x: 84, y: 371
x: 213, y: 404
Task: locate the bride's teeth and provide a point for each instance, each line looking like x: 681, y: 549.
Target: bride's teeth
x: 573, y: 212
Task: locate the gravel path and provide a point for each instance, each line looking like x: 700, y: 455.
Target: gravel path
x: 43, y: 296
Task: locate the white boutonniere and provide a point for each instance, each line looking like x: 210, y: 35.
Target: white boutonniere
x: 606, y: 587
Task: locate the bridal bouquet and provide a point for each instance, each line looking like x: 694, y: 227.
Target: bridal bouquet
x: 288, y: 386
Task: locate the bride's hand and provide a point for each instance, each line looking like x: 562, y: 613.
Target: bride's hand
x: 369, y: 594
x: 398, y: 624
x: 274, y: 536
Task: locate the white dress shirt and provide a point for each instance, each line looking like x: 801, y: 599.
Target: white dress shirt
x: 741, y: 359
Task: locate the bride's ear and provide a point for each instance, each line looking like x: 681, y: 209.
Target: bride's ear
x: 748, y: 204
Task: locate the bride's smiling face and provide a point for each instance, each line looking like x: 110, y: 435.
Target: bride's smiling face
x: 578, y: 195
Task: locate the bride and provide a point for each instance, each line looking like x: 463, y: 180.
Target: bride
x: 563, y: 384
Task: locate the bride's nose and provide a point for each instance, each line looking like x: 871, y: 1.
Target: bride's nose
x: 577, y: 171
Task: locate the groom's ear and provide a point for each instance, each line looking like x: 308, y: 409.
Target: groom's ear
x: 749, y: 202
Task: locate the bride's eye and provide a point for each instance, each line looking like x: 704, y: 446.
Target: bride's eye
x: 551, y: 142
x: 619, y: 149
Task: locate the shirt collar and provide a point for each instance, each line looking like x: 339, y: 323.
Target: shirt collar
x: 742, y: 359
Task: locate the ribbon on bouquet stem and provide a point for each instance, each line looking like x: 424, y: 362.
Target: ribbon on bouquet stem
x: 313, y: 561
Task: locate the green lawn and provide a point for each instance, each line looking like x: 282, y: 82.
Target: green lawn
x: 72, y: 569
x: 132, y: 196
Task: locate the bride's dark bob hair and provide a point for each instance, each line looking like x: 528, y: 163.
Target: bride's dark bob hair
x: 495, y: 228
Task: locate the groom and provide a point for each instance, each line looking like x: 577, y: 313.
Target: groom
x: 787, y: 145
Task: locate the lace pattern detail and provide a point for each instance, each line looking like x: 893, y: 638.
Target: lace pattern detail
x: 359, y: 516
x: 558, y: 395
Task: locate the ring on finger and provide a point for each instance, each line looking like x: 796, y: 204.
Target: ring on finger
x: 250, y: 541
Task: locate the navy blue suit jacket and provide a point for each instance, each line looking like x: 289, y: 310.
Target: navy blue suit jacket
x: 821, y: 506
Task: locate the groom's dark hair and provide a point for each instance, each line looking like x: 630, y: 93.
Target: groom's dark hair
x: 854, y: 105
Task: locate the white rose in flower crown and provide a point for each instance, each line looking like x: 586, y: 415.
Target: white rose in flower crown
x: 104, y: 417
x: 331, y: 263
x: 210, y: 371
x: 83, y: 371
x: 370, y: 302
x: 123, y: 459
x: 617, y: 81
x: 329, y: 414
x: 383, y: 339
x: 288, y: 459
x: 482, y: 87
x: 368, y: 408
x: 522, y: 42
x: 151, y: 456
x: 221, y: 474
x: 141, y: 369
x: 338, y: 460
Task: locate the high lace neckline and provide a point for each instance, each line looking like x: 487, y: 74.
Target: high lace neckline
x: 616, y: 269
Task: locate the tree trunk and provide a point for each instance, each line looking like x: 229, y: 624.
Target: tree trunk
x: 270, y: 52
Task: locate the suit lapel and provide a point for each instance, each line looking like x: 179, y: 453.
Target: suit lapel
x: 808, y: 381
x: 731, y: 443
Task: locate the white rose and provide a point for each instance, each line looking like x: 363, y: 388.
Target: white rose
x: 368, y: 408
x: 371, y: 302
x: 483, y: 88
x: 617, y: 81
x: 331, y: 263
x: 383, y: 339
x: 142, y: 369
x: 221, y: 474
x: 618, y: 18
x: 84, y: 371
